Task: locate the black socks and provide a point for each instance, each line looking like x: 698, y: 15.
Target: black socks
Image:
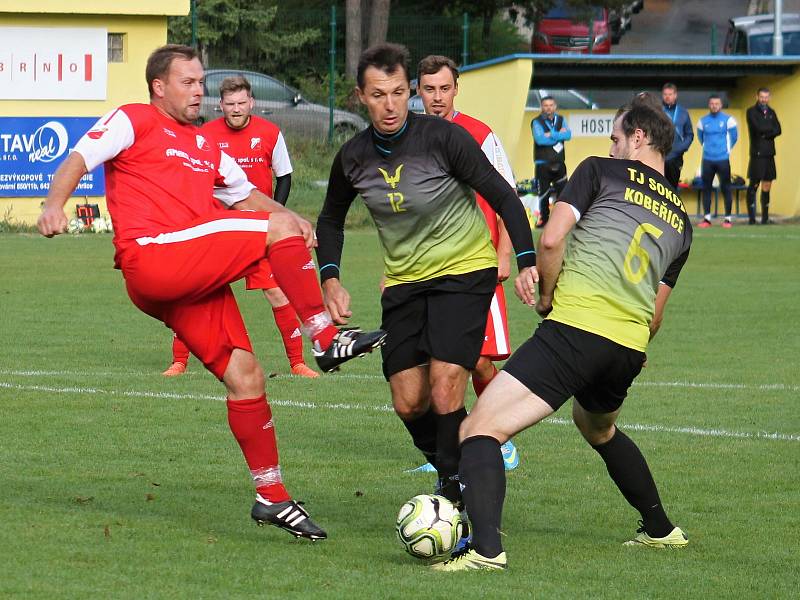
x: 448, y: 453
x: 423, y: 433
x: 483, y: 478
x: 630, y: 472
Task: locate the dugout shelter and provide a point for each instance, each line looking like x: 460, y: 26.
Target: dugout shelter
x: 496, y: 92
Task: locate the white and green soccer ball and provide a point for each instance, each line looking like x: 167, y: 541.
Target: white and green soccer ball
x: 428, y: 526
x: 75, y: 226
x: 99, y: 225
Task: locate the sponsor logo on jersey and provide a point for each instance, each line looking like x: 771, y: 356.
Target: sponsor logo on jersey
x: 392, y: 180
x: 202, y: 144
x: 255, y: 143
x: 222, y: 144
x: 96, y: 134
x: 169, y: 132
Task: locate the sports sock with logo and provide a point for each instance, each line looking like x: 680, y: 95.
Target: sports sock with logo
x: 294, y: 269
x: 180, y: 352
x: 289, y: 326
x: 479, y: 384
x: 630, y: 472
x: 448, y: 452
x: 250, y: 421
x: 423, y: 434
x: 483, y: 478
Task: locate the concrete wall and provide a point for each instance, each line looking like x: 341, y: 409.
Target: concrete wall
x: 144, y: 24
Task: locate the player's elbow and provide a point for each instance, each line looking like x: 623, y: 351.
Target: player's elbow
x: 549, y: 240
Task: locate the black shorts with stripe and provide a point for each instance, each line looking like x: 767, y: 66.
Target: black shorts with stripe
x: 560, y: 361
x: 442, y: 318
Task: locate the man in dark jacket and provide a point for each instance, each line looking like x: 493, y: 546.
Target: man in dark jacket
x: 763, y: 127
x: 550, y: 131
x: 684, y: 134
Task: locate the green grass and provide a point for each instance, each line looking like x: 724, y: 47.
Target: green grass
x: 119, y: 483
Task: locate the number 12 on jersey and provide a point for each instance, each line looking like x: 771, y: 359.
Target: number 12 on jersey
x: 396, y: 201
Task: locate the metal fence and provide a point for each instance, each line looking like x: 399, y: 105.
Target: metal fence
x: 312, y: 63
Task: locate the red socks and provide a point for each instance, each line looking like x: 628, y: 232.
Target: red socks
x: 294, y: 269
x: 251, y: 423
x: 480, y: 384
x: 286, y: 320
x: 180, y: 353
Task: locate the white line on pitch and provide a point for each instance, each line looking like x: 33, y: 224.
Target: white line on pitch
x: 343, y: 406
x: 367, y: 377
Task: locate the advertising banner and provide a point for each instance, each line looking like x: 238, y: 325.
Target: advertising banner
x: 55, y: 63
x: 32, y: 148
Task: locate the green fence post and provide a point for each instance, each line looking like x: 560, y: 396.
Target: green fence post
x: 194, y: 23
x: 713, y: 39
x: 331, y: 75
x: 465, y: 42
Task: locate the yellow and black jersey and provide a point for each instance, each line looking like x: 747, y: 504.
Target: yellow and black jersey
x: 632, y: 234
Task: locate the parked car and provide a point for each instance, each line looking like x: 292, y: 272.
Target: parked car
x: 753, y: 34
x: 561, y: 31
x: 281, y: 104
x: 565, y: 99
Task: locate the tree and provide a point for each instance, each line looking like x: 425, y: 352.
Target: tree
x: 369, y: 15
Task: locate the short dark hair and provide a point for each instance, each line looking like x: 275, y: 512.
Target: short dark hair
x: 644, y: 112
x: 387, y: 57
x: 763, y: 90
x: 669, y: 86
x: 432, y: 64
x: 547, y: 98
x: 231, y: 85
x: 160, y: 61
x: 717, y: 96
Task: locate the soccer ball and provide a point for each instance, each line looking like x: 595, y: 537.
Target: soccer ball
x: 99, y: 225
x: 75, y: 226
x: 428, y: 526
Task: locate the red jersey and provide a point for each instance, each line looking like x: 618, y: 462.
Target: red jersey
x: 159, y: 173
x: 494, y: 152
x: 258, y: 148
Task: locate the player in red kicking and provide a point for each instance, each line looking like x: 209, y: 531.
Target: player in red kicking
x: 259, y: 149
x: 178, y: 252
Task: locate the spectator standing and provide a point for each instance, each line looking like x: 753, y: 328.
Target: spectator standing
x: 717, y: 133
x: 684, y: 133
x: 763, y: 127
x: 550, y: 131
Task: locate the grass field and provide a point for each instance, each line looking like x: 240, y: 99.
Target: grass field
x: 117, y: 483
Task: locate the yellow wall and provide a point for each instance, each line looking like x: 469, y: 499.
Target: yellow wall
x: 126, y: 83
x: 98, y: 7
x: 496, y: 94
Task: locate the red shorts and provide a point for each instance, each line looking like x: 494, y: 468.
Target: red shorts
x: 496, y: 343
x: 262, y: 279
x: 181, y: 278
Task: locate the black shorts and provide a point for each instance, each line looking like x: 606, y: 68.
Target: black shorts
x: 560, y: 361
x: 443, y: 318
x: 761, y: 168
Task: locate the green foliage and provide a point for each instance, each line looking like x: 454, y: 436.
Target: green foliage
x: 242, y: 33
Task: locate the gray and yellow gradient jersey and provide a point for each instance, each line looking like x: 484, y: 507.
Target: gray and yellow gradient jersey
x: 632, y: 234
x: 418, y: 187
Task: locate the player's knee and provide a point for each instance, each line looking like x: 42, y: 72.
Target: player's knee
x: 409, y: 411
x: 245, y: 379
x: 593, y: 433
x: 282, y: 225
x: 447, y: 394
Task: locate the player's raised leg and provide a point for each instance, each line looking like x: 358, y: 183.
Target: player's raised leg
x: 287, y: 251
x: 628, y: 468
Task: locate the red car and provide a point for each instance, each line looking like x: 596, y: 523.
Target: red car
x: 559, y: 32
